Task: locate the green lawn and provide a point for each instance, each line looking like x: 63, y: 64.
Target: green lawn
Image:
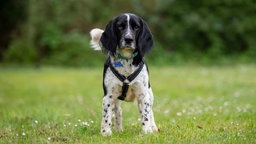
x: 192, y: 104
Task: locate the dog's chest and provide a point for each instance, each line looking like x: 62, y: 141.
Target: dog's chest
x: 130, y: 95
x: 126, y: 69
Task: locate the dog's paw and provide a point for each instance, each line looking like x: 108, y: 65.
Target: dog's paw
x: 119, y: 129
x: 150, y: 129
x: 105, y: 132
x: 147, y: 130
x: 154, y: 128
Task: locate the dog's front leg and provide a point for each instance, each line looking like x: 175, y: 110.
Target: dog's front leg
x: 145, y: 107
x: 153, y: 124
x: 107, y: 106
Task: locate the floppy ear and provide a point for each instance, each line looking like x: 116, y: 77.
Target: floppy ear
x: 144, y: 42
x: 109, y: 38
x: 145, y: 39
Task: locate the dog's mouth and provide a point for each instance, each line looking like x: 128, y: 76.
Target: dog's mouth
x: 130, y: 46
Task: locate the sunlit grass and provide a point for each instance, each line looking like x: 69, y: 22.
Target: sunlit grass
x: 192, y: 104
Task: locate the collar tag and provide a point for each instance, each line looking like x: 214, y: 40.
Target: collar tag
x: 118, y: 64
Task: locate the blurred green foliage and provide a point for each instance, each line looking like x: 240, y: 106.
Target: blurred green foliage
x: 56, y: 31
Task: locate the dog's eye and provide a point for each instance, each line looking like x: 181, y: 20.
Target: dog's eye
x: 136, y: 27
x: 121, y: 26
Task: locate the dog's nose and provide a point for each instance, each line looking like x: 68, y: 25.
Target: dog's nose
x: 128, y: 40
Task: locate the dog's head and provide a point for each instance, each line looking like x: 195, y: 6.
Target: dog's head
x: 127, y: 32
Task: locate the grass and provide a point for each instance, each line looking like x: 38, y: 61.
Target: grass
x: 192, y: 104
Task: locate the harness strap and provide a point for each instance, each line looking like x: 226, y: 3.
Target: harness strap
x: 123, y: 78
x: 125, y: 88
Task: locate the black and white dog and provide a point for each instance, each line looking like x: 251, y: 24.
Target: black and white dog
x: 126, y: 39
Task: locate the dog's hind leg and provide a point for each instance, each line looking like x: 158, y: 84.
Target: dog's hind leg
x: 118, y: 116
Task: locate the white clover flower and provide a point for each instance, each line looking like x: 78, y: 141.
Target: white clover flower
x: 179, y: 113
x: 23, y: 134
x: 36, y: 122
x: 85, y: 124
x: 92, y: 121
x: 49, y: 138
x: 225, y: 103
x: 166, y: 111
x: 79, y: 120
x: 75, y: 125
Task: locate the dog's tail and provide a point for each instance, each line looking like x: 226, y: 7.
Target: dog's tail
x: 95, y: 41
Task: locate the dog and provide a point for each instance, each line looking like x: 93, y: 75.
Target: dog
x: 126, y: 39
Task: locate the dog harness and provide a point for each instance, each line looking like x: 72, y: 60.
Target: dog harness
x: 126, y: 80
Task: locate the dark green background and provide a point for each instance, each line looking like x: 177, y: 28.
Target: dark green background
x: 56, y: 32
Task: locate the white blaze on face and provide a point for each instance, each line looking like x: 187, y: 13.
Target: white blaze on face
x: 128, y: 34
